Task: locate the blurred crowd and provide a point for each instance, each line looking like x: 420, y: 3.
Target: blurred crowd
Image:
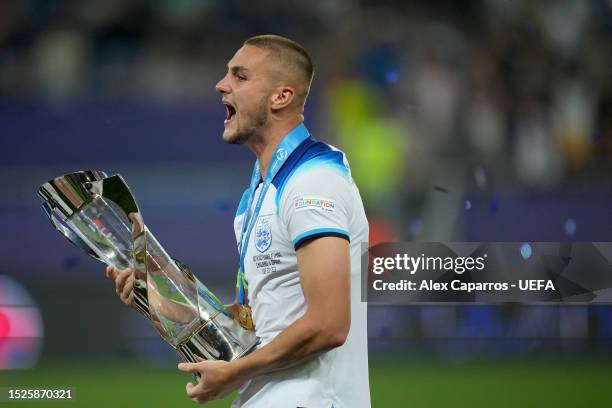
x: 517, y: 93
x: 435, y: 102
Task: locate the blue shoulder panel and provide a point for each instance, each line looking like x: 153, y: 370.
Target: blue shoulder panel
x: 308, y: 154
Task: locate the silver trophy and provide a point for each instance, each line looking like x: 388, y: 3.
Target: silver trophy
x: 99, y: 214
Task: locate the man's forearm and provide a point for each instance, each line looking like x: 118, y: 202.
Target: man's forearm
x: 324, y: 266
x: 301, y: 340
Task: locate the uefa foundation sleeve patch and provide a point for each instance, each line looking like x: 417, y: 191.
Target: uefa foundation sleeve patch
x: 314, y: 203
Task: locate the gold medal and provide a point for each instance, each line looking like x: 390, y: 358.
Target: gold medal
x: 245, y: 317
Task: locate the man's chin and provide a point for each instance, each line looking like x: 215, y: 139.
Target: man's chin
x: 234, y: 137
x: 230, y: 137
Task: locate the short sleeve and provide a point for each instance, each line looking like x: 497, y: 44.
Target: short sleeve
x: 316, y: 202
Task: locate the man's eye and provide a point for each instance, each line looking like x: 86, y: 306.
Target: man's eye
x: 240, y: 77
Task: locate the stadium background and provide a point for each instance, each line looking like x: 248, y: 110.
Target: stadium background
x: 468, y: 121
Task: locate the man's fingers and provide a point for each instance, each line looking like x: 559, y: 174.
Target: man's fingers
x: 111, y: 272
x: 191, y: 390
x: 188, y: 367
x: 127, y: 289
x: 121, y: 278
x: 196, y: 394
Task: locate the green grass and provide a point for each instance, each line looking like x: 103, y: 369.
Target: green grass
x: 394, y: 384
x: 491, y: 384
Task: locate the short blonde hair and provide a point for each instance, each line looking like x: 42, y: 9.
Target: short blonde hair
x: 292, y: 56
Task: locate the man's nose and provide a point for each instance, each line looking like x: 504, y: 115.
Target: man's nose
x: 222, y: 86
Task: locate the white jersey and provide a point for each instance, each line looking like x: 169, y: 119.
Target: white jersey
x: 311, y: 196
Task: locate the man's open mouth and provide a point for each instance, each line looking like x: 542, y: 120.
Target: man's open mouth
x: 231, y: 112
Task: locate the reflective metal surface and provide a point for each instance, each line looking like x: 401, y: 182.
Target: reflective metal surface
x: 99, y: 214
x: 65, y: 230
x: 68, y: 193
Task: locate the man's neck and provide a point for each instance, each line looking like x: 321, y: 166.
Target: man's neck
x: 265, y: 147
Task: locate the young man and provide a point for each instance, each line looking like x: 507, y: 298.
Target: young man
x: 299, y: 229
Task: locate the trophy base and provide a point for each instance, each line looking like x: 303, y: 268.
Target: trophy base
x: 189, y: 356
x: 218, y: 339
x: 249, y: 348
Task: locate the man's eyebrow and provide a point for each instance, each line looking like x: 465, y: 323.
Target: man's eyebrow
x: 237, y: 68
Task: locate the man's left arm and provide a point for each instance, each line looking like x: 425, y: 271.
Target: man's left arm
x: 324, y: 267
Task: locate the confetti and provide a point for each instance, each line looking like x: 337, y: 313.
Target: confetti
x: 415, y: 227
x: 223, y: 205
x: 570, y: 227
x: 526, y: 251
x: 481, y: 177
x: 493, y: 205
x: 392, y: 77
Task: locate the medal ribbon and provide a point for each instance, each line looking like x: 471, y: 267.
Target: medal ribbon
x: 284, y: 149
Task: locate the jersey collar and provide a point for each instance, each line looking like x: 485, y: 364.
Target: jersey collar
x: 287, y: 145
x: 294, y: 138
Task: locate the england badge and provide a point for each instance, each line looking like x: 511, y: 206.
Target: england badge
x: 263, y: 233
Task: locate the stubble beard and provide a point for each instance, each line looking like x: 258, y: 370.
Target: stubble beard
x: 252, y: 129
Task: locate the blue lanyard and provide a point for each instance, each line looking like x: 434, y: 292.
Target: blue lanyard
x: 284, y: 149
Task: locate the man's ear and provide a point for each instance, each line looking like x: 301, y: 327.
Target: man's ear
x: 282, y: 97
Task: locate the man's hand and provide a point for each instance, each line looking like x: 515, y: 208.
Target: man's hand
x: 124, y: 283
x: 218, y: 379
